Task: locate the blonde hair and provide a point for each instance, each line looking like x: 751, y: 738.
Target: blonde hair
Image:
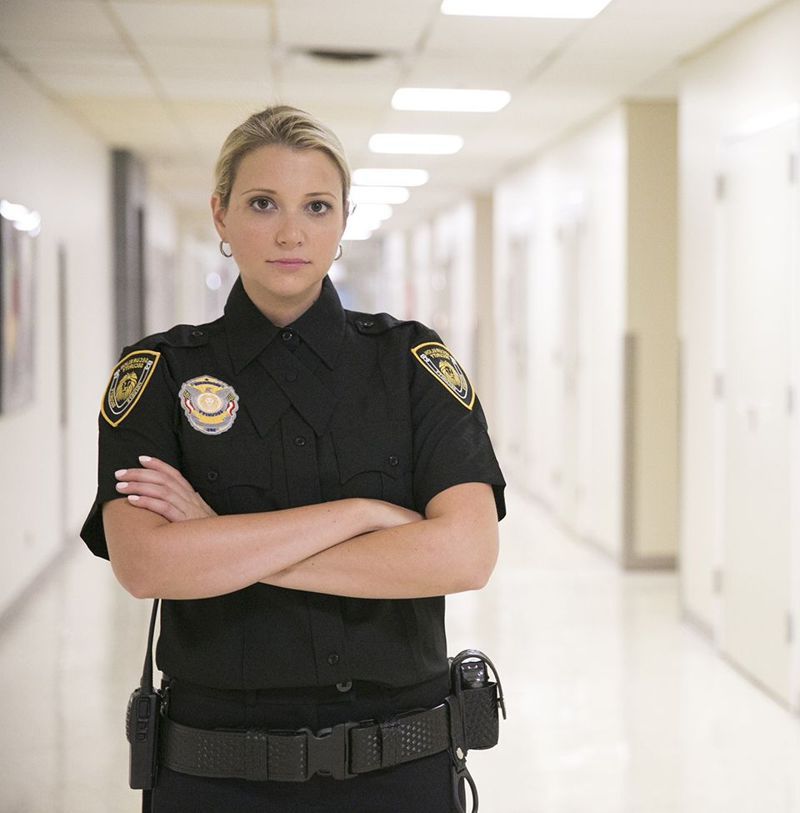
x: 283, y: 125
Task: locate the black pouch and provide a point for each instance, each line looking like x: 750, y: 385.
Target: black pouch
x: 479, y: 698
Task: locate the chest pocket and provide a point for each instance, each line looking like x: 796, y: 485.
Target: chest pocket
x: 375, y: 462
x: 233, y: 478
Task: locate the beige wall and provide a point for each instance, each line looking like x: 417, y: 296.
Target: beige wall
x: 652, y: 415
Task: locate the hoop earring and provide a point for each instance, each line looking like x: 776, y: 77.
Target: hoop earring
x: 338, y: 253
x: 222, y: 250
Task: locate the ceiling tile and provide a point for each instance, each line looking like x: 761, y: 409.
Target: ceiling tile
x: 187, y: 60
x: 138, y: 124
x: 39, y: 20
x: 394, y: 25
x: 519, y: 42
x: 195, y: 22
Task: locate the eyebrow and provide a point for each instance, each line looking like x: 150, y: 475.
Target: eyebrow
x: 273, y: 192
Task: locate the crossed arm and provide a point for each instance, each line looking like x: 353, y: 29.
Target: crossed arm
x: 165, y: 542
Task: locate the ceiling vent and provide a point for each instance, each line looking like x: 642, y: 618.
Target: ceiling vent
x: 344, y: 57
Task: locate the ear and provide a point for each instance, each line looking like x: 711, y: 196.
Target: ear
x: 218, y: 215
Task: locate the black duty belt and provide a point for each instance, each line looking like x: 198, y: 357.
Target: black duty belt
x: 468, y: 718
x: 343, y: 751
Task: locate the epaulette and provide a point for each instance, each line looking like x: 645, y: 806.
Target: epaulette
x: 178, y: 336
x: 374, y: 323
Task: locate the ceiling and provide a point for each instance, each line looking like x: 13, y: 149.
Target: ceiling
x: 169, y: 79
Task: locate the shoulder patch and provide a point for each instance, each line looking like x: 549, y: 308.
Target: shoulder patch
x: 442, y: 365
x: 129, y: 379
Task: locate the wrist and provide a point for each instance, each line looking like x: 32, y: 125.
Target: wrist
x: 368, y: 515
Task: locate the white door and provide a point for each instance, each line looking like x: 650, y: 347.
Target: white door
x: 756, y: 229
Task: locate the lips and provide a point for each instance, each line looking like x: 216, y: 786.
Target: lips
x: 289, y: 262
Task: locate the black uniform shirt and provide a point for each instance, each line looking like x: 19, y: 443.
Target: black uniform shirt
x: 339, y: 404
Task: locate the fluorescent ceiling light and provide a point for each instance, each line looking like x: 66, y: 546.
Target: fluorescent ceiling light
x: 553, y: 9
x: 376, y: 211
x: 450, y: 100
x: 364, y: 219
x: 416, y: 143
x: 356, y: 233
x: 390, y: 177
x: 22, y: 218
x: 378, y: 194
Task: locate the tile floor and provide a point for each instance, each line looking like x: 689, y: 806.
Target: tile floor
x: 615, y: 705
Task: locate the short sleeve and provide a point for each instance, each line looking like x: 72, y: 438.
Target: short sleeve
x: 138, y: 417
x: 451, y: 439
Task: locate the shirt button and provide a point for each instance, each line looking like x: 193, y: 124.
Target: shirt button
x: 333, y: 658
x: 291, y: 375
x: 287, y: 335
x: 345, y: 685
x: 367, y: 323
x: 394, y: 460
x: 198, y: 333
x: 300, y: 441
x: 212, y: 476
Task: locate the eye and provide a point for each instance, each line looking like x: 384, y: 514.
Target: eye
x: 319, y: 207
x: 262, y: 204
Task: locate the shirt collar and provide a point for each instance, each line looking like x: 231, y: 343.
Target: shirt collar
x: 322, y: 326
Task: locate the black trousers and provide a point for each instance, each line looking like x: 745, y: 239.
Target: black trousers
x: 422, y: 786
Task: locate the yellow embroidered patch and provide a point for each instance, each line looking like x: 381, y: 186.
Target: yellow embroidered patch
x: 128, y: 381
x: 441, y: 364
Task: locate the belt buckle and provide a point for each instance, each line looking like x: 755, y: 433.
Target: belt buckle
x: 329, y: 751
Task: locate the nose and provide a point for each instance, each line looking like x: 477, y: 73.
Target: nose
x: 289, y: 232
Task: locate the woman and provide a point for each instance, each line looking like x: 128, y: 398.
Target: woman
x: 301, y: 485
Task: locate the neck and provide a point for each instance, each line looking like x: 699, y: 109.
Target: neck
x: 281, y: 312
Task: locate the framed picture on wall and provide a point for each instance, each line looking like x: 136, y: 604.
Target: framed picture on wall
x: 18, y: 230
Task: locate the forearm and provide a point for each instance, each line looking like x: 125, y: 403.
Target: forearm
x: 429, y: 558
x: 200, y: 558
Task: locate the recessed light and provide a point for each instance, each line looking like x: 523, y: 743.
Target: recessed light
x: 378, y: 194
x: 390, y: 177
x: 353, y: 232
x: 453, y: 100
x: 416, y: 143
x: 373, y: 211
x: 553, y: 9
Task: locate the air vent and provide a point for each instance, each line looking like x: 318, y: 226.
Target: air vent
x: 344, y: 56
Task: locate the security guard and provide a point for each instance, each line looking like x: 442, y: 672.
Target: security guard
x: 301, y: 484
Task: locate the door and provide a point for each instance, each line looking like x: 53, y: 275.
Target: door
x: 757, y: 224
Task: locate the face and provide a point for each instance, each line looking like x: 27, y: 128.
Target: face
x: 284, y: 222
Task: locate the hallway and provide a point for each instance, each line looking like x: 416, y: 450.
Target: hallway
x: 616, y: 705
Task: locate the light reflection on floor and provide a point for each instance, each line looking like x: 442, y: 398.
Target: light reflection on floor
x: 615, y: 705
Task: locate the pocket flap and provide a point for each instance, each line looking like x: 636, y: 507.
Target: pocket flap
x: 375, y: 447
x: 218, y: 468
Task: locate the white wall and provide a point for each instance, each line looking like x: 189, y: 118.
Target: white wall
x: 48, y: 163
x: 565, y: 214
x: 742, y: 81
x: 753, y: 72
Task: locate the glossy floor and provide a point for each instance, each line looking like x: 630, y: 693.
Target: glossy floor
x: 615, y: 705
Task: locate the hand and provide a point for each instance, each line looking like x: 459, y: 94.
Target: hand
x: 162, y: 489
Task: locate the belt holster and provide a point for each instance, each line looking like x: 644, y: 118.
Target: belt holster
x: 473, y: 716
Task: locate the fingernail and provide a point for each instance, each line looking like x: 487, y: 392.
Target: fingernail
x: 120, y: 472
x: 133, y: 497
x: 122, y: 485
x: 144, y: 458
